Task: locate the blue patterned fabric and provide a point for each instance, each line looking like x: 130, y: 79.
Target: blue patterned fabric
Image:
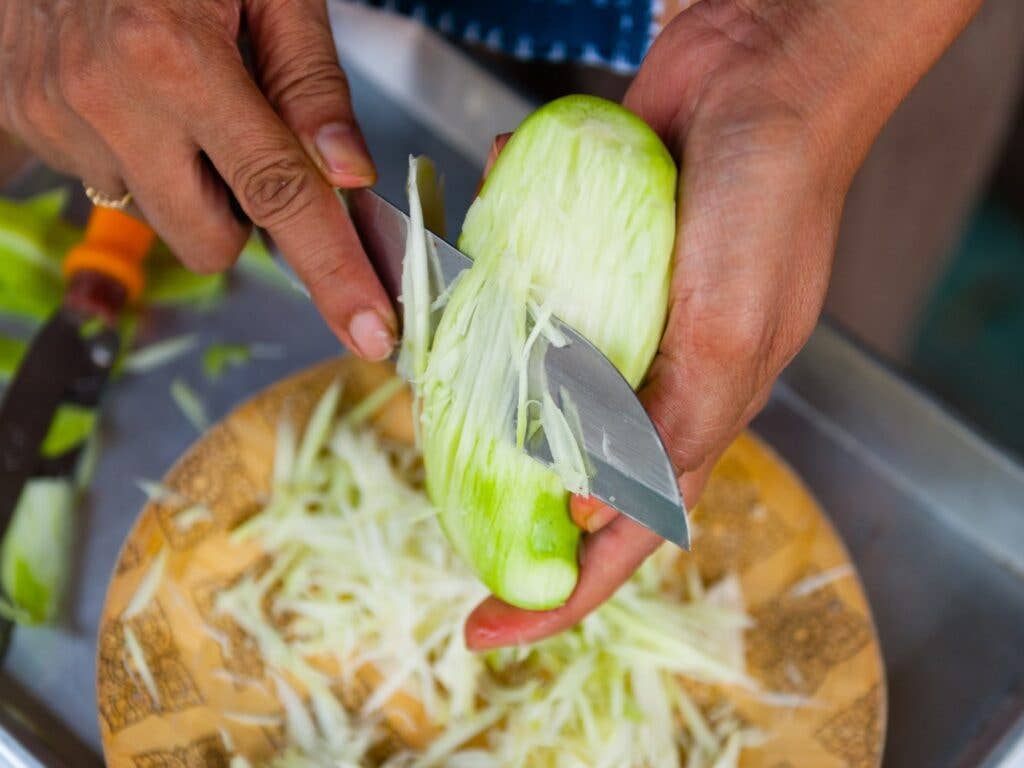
x: 612, y: 33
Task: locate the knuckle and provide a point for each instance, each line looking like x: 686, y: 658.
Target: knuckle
x: 751, y: 335
x: 212, y: 244
x: 739, y: 118
x: 37, y: 110
x: 208, y: 259
x: 730, y: 337
x: 316, y: 80
x: 324, y: 269
x: 207, y: 263
x: 79, y: 85
x: 148, y: 41
x: 82, y: 84
x: 273, y: 189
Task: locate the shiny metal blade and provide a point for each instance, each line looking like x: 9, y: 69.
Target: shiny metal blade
x: 632, y: 471
x: 382, y: 228
x: 630, y: 468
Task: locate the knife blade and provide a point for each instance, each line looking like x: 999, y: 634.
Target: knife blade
x: 631, y: 468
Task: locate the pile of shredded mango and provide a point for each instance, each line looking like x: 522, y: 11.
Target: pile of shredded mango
x: 362, y: 578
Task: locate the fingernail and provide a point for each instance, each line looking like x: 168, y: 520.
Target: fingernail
x: 371, y: 336
x: 583, y: 509
x: 343, y: 152
x: 479, y: 639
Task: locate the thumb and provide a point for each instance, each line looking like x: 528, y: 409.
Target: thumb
x: 299, y: 73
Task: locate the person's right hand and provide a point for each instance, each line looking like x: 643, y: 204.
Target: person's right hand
x: 153, y: 97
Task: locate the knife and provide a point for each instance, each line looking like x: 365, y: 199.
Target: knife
x: 72, y: 355
x: 631, y: 468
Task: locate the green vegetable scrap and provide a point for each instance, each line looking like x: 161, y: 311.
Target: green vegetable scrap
x: 255, y: 260
x: 70, y: 428
x: 220, y: 356
x: 33, y: 240
x: 35, y: 556
x: 190, y: 404
x: 152, y: 356
x: 169, y: 284
x: 11, y: 352
x: 27, y: 227
x: 88, y: 461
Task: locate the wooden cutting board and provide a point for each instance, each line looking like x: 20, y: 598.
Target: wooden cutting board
x: 814, y: 638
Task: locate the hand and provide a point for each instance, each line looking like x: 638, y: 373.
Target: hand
x: 769, y: 109
x: 152, y: 96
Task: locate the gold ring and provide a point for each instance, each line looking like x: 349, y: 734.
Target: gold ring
x: 102, y: 200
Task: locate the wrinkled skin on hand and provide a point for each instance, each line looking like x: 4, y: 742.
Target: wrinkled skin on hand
x: 152, y: 96
x: 768, y: 108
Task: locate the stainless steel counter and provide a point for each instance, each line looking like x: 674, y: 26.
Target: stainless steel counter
x: 933, y: 515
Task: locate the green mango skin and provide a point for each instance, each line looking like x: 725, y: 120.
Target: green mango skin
x: 578, y: 212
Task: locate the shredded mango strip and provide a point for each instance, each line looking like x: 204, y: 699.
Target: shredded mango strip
x: 367, y: 579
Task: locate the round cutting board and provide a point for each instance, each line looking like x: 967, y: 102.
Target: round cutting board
x: 813, y: 642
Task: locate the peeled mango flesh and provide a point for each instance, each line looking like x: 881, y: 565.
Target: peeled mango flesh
x: 577, y: 217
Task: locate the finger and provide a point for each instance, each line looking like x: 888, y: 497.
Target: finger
x: 590, y: 513
x: 175, y: 190
x: 299, y: 72
x: 609, y: 557
x: 280, y: 190
x: 492, y: 154
x: 67, y: 143
x: 186, y: 202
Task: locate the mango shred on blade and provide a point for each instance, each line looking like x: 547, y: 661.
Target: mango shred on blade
x: 576, y: 220
x: 363, y: 592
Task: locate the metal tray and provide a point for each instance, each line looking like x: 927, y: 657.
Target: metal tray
x: 933, y: 515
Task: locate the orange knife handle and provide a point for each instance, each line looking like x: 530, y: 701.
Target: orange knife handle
x: 115, y: 245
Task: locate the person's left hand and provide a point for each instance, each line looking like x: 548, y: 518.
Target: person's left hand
x: 768, y: 134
